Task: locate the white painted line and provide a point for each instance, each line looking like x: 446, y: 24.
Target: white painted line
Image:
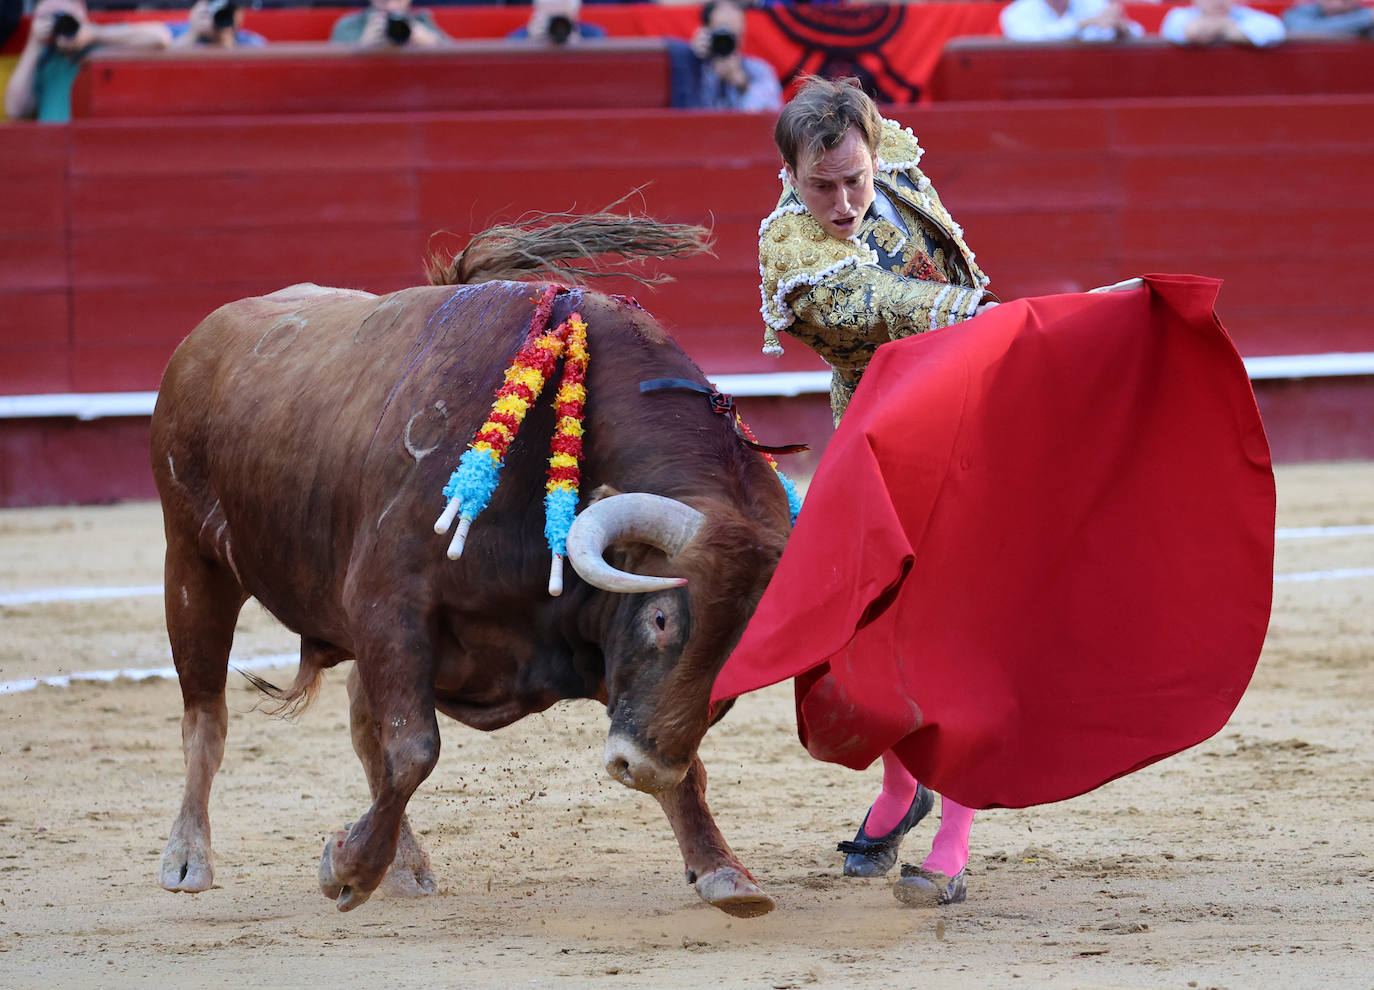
x: 163, y: 673
x: 286, y: 659
x: 1339, y: 574
x: 44, y: 596
x: 94, y: 405
x: 1309, y: 532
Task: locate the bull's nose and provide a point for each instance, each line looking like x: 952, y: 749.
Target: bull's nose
x: 629, y: 764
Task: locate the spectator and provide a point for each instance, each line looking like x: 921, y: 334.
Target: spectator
x: 215, y: 24
x: 713, y: 72
x: 1330, y: 19
x: 1067, y: 20
x: 11, y: 13
x: 1211, y: 22
x: 60, y: 37
x: 388, y: 22
x: 556, y: 22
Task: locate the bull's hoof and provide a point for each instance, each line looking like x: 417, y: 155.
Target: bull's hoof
x: 734, y: 892
x: 407, y: 881
x: 920, y: 887
x: 186, y: 867
x: 344, y: 896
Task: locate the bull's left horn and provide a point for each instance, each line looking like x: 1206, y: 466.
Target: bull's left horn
x: 661, y: 522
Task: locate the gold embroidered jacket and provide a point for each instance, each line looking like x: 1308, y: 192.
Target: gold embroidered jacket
x: 844, y: 298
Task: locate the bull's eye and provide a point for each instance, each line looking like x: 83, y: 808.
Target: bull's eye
x: 660, y: 620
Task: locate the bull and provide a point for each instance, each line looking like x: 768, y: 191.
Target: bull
x: 300, y: 445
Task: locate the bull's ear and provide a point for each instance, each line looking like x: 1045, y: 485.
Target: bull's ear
x: 600, y: 492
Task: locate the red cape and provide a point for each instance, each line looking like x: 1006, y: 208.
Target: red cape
x: 1037, y: 554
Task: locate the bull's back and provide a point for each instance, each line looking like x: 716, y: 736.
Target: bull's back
x: 279, y: 414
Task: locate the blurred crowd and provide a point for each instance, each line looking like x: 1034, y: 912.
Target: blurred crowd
x: 711, y: 69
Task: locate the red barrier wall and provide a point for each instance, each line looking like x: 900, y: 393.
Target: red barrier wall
x: 318, y: 79
x: 121, y: 235
x: 128, y: 232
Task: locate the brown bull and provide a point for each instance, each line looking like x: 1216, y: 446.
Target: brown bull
x: 301, y: 443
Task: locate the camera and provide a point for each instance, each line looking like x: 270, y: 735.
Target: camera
x: 560, y: 29
x: 723, y: 43
x: 222, y: 13
x: 65, y: 26
x: 397, y: 28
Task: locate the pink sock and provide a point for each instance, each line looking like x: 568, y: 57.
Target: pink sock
x: 949, y: 851
x: 899, y: 787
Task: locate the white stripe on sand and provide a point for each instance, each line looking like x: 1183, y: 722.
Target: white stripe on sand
x: 166, y: 673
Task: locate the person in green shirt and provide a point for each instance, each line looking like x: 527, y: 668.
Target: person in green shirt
x: 60, y: 37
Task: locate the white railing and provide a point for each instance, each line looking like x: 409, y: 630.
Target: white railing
x: 781, y: 384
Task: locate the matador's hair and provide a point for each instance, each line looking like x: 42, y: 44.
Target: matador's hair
x: 818, y: 118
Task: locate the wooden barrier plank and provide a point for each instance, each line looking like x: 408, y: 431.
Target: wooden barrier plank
x: 303, y: 144
x: 118, y: 367
x: 32, y: 320
x: 33, y: 261
x: 259, y: 200
x: 1278, y: 232
x: 1147, y: 68
x: 597, y: 137
x: 1287, y: 177
x: 1046, y: 181
x: 293, y: 78
x: 152, y: 257
x: 1254, y: 124
x: 163, y: 315
x: 1008, y: 129
x: 474, y: 196
x: 36, y: 370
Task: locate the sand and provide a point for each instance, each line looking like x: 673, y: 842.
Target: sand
x: 1244, y: 862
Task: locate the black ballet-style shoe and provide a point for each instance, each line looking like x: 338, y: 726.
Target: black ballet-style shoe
x: 920, y: 887
x: 866, y: 856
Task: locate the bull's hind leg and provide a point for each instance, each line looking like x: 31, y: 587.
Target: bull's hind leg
x: 719, y: 877
x: 395, y: 684
x: 202, y: 602
x: 410, y: 874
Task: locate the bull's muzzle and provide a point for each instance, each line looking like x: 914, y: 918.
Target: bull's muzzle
x: 628, y: 763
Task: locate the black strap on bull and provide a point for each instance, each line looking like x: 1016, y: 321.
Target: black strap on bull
x: 722, y: 404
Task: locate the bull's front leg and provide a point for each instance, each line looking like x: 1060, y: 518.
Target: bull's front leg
x: 410, y: 874
x: 396, y: 686
x: 719, y: 877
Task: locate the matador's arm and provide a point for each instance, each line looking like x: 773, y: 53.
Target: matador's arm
x: 876, y: 305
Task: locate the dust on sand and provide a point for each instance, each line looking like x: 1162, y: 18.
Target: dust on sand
x: 1245, y: 862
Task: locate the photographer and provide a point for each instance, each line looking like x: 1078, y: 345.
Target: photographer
x: 555, y: 22
x: 388, y: 23
x: 61, y: 35
x: 727, y: 78
x: 214, y: 24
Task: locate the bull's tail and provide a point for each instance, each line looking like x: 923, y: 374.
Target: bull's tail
x: 546, y: 243
x: 294, y: 700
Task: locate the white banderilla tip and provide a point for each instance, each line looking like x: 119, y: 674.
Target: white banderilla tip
x: 445, y: 521
x: 556, y: 576
x: 455, y: 549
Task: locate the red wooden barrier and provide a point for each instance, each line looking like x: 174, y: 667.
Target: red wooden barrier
x: 126, y: 233
x: 1150, y: 68
x: 295, y: 78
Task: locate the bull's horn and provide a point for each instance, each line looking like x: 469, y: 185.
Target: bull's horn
x: 661, y: 522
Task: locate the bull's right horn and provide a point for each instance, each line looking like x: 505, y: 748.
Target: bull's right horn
x: 661, y: 522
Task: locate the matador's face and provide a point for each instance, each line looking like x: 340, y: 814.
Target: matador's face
x: 837, y: 187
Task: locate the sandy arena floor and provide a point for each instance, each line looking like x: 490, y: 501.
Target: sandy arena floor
x: 1245, y: 862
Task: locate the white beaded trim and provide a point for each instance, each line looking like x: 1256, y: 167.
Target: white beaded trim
x: 785, y: 286
x: 902, y: 166
x: 781, y: 211
x: 935, y: 306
